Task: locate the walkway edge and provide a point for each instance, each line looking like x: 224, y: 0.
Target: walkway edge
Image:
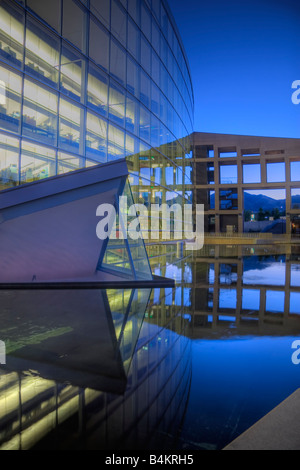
x: 278, y: 430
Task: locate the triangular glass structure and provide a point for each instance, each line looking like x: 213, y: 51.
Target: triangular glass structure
x: 123, y: 255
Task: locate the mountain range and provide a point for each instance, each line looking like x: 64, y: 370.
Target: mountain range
x: 254, y: 202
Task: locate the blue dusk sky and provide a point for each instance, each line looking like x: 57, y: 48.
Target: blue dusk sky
x: 244, y: 56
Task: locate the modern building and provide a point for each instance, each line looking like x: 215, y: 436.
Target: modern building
x: 235, y: 176
x: 96, y: 102
x: 85, y: 83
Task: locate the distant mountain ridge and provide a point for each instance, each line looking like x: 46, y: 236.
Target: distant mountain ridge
x: 253, y: 202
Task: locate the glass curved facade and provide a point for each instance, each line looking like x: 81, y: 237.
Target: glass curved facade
x: 83, y: 83
x: 90, y: 82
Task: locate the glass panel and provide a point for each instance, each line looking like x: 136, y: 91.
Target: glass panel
x: 155, y: 100
x: 119, y: 303
x: 11, y: 34
x: 101, y: 10
x: 37, y: 162
x: 67, y: 163
x: 251, y: 173
x: 276, y: 172
x: 133, y: 77
x: 295, y: 171
x: 227, y: 153
x: 133, y: 39
x: 137, y: 247
x: 134, y: 10
x: 117, y: 62
x: 42, y: 54
x: 96, y: 138
x: 97, y: 90
x: 146, y: 21
x: 133, y: 325
x: 155, y: 37
x: 154, y: 135
x: 40, y: 113
x: 132, y: 119
x: 146, y: 55
x: 117, y: 104
x: 74, y: 24
x: 116, y: 143
x: 70, y: 127
x: 9, y: 162
x: 295, y: 198
x: 49, y: 11
x: 228, y: 199
x: 228, y: 174
x: 145, y: 89
x: 116, y: 257
x: 118, y: 22
x: 72, y: 74
x: 10, y: 100
x: 145, y: 124
x: 99, y: 37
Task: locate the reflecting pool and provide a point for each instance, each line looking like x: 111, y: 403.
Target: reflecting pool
x: 190, y: 367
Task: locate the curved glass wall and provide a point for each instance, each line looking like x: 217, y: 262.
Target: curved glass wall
x: 83, y: 83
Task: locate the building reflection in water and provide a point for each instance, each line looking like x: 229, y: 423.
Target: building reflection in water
x: 252, y: 290
x: 113, y: 369
x: 103, y: 369
x: 245, y: 320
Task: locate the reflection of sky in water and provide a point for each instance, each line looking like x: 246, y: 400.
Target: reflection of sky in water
x: 211, y: 274
x: 227, y: 298
x: 275, y: 301
x: 295, y: 275
x: 227, y: 274
x: 295, y: 302
x: 228, y: 278
x: 272, y: 274
x: 250, y: 299
x: 175, y: 272
x: 235, y: 383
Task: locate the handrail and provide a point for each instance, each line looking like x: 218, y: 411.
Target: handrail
x: 248, y: 235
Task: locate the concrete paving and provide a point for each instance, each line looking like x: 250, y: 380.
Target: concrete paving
x: 278, y: 430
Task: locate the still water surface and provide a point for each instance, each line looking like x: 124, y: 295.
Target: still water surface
x: 185, y: 368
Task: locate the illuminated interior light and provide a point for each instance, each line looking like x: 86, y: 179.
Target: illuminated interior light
x: 2, y: 93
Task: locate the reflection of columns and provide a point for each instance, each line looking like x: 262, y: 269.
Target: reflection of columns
x: 240, y: 216
x: 288, y: 224
x: 217, y: 220
x: 81, y: 413
x: 288, y: 203
x: 262, y: 305
x: 239, y: 291
x: 240, y: 193
x: 287, y: 292
x: 216, y: 294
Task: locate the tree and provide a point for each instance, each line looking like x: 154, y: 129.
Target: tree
x: 247, y: 215
x: 260, y: 215
x: 276, y: 214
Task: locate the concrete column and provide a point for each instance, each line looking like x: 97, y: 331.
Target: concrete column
x: 263, y: 167
x: 217, y: 223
